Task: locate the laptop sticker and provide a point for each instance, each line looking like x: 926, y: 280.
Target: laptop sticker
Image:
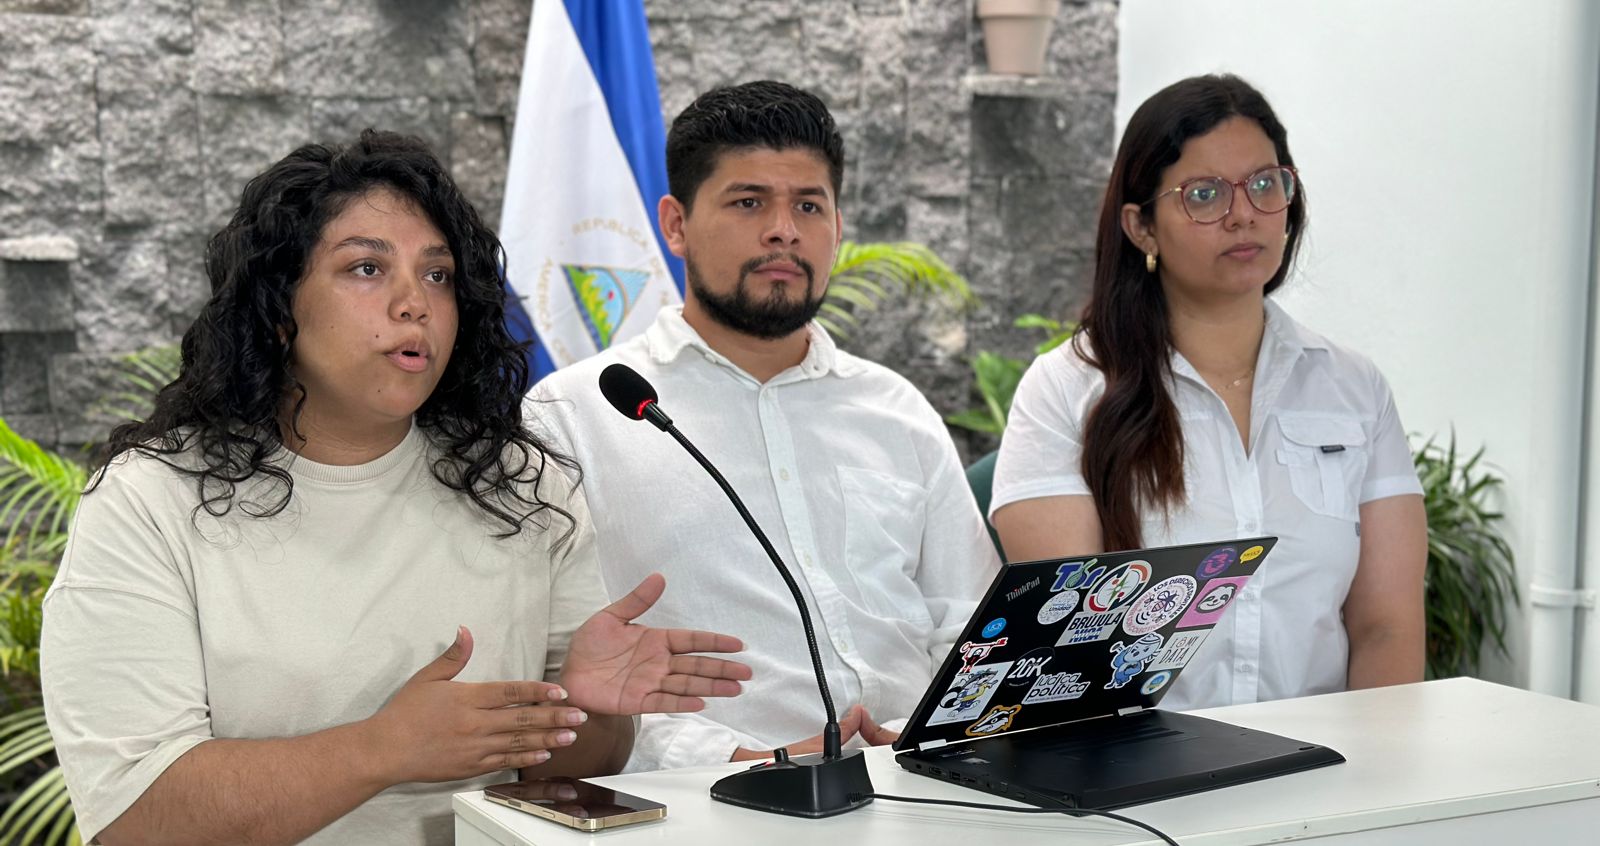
x: 1058, y: 607
x: 1180, y: 648
x: 1160, y: 605
x: 996, y: 626
x: 1128, y: 660
x: 1022, y: 588
x: 972, y: 653
x: 1055, y: 687
x: 1252, y: 553
x: 1076, y: 574
x: 1029, y: 666
x: 1217, y: 562
x: 1118, y: 588
x: 1089, y: 626
x: 969, y: 693
x: 1155, y: 682
x: 996, y: 720
x: 1214, y: 598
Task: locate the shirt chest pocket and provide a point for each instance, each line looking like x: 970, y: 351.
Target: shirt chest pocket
x: 883, y: 522
x: 1326, y: 459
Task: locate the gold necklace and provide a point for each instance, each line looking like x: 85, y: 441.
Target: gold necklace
x: 1239, y: 381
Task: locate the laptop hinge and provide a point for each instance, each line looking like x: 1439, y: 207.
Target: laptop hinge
x: 931, y: 744
x: 1131, y: 709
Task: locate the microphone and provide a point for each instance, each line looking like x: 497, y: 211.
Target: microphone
x: 808, y: 786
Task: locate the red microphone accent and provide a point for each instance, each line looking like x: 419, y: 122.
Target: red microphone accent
x: 639, y: 415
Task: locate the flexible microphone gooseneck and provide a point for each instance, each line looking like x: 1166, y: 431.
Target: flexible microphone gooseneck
x: 808, y: 786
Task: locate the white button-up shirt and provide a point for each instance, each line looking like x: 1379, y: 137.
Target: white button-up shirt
x: 1325, y: 438
x: 853, y: 477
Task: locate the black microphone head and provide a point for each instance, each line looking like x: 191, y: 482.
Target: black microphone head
x: 626, y: 390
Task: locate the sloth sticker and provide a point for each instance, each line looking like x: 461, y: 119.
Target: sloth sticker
x: 1215, y: 596
x: 1058, y: 607
x: 1118, y: 588
x: 998, y: 719
x: 1160, y: 605
x: 968, y: 693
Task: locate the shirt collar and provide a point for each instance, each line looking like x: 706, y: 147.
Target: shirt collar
x: 670, y: 335
x: 1283, y: 341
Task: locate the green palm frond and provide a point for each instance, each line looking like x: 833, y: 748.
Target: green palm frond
x: 39, y: 490
x: 1471, y: 572
x: 865, y: 275
x: 145, y: 373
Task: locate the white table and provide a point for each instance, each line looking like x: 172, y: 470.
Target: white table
x: 1458, y: 761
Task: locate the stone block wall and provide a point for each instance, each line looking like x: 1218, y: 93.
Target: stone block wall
x: 128, y: 128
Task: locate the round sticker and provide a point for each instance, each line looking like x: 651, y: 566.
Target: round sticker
x: 1217, y: 598
x: 1025, y: 670
x: 1215, y: 563
x: 1155, y: 682
x: 1159, y: 605
x: 996, y: 626
x: 1252, y: 553
x: 1058, y: 607
x: 1118, y: 587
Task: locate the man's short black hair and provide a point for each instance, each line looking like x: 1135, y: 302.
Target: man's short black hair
x: 741, y: 117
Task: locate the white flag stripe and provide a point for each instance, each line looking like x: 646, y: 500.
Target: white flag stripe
x: 572, y: 201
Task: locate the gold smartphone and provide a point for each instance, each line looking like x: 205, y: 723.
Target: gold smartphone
x: 574, y: 803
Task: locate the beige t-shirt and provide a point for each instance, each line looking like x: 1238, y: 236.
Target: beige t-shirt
x: 163, y: 630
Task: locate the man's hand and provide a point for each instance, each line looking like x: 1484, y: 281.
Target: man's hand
x: 615, y: 666
x: 436, y: 729
x: 855, y: 721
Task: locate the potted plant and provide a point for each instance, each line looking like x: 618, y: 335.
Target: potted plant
x: 1015, y: 34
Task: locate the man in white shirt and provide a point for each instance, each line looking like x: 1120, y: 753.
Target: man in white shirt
x: 842, y: 462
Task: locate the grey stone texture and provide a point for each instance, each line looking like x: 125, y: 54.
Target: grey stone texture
x: 129, y: 127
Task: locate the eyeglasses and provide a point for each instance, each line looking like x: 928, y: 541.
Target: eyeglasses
x: 1208, y: 199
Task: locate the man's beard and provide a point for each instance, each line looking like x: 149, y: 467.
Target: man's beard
x: 769, y: 318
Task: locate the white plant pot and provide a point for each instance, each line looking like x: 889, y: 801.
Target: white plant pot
x: 1016, y: 33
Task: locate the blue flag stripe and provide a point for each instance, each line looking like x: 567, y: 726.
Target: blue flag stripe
x: 616, y: 39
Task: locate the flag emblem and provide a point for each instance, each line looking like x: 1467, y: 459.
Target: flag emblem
x: 605, y: 296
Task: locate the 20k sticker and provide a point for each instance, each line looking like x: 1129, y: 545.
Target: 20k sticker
x: 998, y: 719
x: 1159, y: 605
x: 968, y: 693
x: 1028, y: 667
x: 1058, y: 607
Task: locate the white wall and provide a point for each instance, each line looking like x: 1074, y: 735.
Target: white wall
x: 1448, y: 153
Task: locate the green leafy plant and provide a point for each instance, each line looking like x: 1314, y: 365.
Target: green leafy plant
x: 864, y: 275
x: 1471, y: 572
x: 39, y: 491
x: 996, y: 376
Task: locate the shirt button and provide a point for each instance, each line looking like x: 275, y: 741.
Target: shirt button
x: 806, y: 557
x: 1247, y: 668
x: 783, y: 473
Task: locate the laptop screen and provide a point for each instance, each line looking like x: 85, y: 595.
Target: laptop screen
x: 1068, y: 639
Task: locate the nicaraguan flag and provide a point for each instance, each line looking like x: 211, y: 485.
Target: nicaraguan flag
x: 584, y: 258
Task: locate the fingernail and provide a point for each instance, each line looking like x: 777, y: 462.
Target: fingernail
x: 577, y: 718
x: 565, y: 737
x: 558, y: 693
x: 541, y: 756
x: 566, y: 793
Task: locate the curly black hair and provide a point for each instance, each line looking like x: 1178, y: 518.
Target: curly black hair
x: 219, y: 421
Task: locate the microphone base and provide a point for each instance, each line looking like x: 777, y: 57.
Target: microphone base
x: 808, y: 786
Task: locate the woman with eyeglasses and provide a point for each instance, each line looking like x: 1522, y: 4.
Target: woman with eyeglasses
x: 1191, y: 408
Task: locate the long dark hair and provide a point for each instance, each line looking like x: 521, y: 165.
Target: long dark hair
x: 218, y: 422
x: 1133, y: 442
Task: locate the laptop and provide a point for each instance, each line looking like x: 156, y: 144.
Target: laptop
x: 1049, y: 696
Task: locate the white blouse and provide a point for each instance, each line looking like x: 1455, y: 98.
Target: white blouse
x: 1325, y: 438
